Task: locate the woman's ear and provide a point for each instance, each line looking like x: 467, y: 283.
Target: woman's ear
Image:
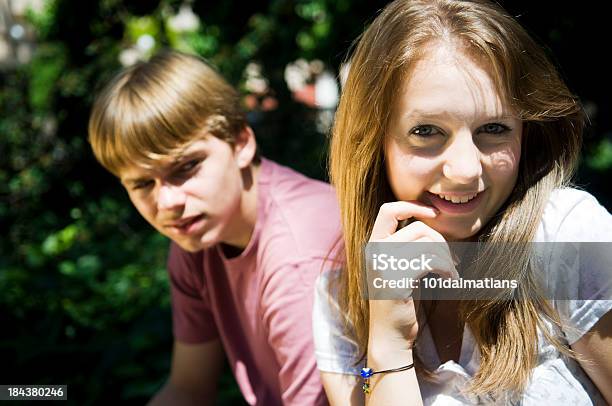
x: 245, y: 147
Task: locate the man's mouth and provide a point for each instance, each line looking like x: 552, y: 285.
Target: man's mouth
x: 184, y: 225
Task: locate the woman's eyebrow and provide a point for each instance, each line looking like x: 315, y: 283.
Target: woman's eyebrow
x: 445, y: 114
x: 429, y: 114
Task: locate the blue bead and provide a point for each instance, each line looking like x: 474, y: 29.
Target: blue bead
x: 366, y: 372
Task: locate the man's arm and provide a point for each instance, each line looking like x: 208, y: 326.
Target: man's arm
x: 193, y: 375
x: 595, y: 347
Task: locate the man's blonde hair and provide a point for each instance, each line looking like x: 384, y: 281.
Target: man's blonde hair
x: 153, y: 109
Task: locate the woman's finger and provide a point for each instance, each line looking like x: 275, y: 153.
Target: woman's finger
x: 390, y: 214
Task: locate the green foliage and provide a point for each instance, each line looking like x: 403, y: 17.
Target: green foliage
x: 601, y: 158
x: 45, y: 70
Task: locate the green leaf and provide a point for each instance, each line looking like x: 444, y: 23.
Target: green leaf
x: 601, y: 159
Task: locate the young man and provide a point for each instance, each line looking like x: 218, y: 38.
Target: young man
x: 249, y: 237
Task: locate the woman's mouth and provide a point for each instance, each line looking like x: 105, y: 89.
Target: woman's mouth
x: 455, y: 203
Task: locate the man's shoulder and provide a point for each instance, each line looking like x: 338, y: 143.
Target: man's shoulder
x: 302, y: 214
x: 289, y: 186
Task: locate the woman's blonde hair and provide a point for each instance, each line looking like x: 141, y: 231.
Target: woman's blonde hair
x: 153, y: 109
x: 506, y: 329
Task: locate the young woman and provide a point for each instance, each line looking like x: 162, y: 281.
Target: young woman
x: 454, y: 122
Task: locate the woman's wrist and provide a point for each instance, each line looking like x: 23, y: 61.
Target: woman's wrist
x: 388, y: 353
x: 388, y: 337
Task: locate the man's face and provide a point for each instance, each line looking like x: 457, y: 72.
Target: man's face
x: 193, y: 199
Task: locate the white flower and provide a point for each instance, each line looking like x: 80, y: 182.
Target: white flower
x: 326, y: 91
x: 145, y: 43
x: 185, y: 20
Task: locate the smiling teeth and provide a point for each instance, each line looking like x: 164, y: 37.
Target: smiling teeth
x: 457, y: 199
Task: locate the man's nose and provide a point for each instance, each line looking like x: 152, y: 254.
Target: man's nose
x: 170, y: 197
x: 462, y: 160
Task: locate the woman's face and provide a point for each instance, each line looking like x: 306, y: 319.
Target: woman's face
x: 452, y: 143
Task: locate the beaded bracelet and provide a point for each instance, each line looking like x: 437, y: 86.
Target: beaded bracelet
x: 366, y: 373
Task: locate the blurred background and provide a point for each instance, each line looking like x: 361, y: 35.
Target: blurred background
x: 83, y: 289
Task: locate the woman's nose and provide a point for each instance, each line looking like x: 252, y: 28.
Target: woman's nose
x: 462, y: 160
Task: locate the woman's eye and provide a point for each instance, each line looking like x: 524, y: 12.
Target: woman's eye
x: 425, y: 131
x: 494, y: 128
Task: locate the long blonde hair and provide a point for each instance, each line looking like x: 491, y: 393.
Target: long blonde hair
x: 505, y: 330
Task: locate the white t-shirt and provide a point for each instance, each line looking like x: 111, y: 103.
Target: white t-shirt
x: 571, y: 215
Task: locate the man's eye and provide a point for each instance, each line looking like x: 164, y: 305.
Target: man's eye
x: 188, y: 166
x: 425, y: 131
x: 494, y: 128
x: 142, y: 185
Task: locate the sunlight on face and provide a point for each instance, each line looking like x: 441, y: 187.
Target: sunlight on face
x: 452, y: 143
x: 193, y: 198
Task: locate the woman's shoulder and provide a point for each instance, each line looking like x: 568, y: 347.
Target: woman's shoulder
x: 574, y: 215
x: 579, y: 231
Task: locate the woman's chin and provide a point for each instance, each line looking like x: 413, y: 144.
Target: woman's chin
x: 458, y: 232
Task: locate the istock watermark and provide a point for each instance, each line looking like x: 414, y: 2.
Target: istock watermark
x: 483, y: 271
x: 384, y: 262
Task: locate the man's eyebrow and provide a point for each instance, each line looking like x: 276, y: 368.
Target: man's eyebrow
x: 178, y: 158
x: 134, y: 181
x: 167, y: 165
x: 181, y: 155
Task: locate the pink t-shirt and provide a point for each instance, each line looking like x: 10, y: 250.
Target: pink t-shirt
x: 259, y: 304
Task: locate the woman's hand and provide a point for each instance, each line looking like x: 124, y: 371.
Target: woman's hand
x: 393, y: 323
